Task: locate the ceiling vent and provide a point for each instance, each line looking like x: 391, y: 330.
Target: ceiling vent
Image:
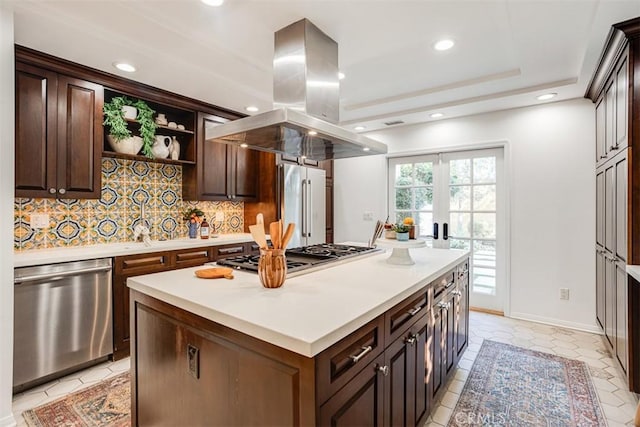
x: 394, y: 122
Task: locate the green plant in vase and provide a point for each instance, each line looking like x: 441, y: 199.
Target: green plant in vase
x: 118, y: 129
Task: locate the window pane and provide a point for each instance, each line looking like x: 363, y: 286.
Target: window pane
x: 484, y: 267
x: 403, y: 198
x: 424, y: 173
x: 460, y: 198
x: 459, y: 244
x: 484, y: 225
x: 424, y: 198
x: 460, y: 171
x: 459, y: 225
x: 424, y: 220
x: 484, y: 197
x: 484, y: 170
x: 404, y: 174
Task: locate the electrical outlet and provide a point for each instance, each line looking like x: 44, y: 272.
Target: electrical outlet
x: 564, y: 293
x: 39, y: 220
x: 367, y: 216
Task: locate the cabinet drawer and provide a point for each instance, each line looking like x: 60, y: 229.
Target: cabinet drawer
x: 193, y: 257
x: 443, y: 283
x: 404, y: 314
x: 230, y: 250
x: 142, y: 264
x: 338, y: 364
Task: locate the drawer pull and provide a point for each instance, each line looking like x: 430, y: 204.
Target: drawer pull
x: 364, y: 352
x: 444, y: 305
x: 383, y: 369
x: 456, y: 293
x: 414, y: 310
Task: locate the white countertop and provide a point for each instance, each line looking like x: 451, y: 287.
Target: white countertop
x: 634, y: 271
x: 310, y: 312
x: 76, y: 253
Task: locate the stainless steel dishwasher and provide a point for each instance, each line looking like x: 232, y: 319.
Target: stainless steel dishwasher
x: 62, y: 319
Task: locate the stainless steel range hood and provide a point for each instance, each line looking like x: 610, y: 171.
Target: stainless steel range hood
x: 306, y: 101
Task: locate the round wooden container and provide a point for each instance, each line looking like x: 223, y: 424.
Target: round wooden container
x: 272, y: 267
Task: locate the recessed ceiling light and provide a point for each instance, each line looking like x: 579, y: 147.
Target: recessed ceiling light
x: 444, y: 44
x: 357, y: 128
x: 546, y: 96
x: 213, y: 2
x: 313, y: 132
x: 244, y: 145
x: 252, y: 108
x: 123, y: 66
x: 340, y: 76
x: 366, y: 149
x: 436, y: 115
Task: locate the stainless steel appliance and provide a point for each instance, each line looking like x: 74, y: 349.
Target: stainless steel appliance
x: 303, y: 203
x: 306, y: 93
x: 62, y: 319
x: 303, y: 258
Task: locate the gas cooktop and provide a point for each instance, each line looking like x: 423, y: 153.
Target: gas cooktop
x: 301, y: 258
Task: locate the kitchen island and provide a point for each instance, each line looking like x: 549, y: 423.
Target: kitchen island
x: 360, y: 343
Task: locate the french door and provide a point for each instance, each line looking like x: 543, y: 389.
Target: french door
x: 457, y: 201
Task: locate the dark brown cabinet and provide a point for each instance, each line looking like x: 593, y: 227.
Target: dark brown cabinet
x: 617, y: 98
x: 379, y: 375
x: 223, y: 171
x: 147, y: 263
x: 58, y: 135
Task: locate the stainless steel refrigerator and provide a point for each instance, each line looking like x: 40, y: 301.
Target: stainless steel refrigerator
x: 303, y: 202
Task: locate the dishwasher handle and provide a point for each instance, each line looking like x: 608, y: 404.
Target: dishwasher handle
x: 58, y: 275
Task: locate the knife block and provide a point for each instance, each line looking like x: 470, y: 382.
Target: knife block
x: 272, y: 267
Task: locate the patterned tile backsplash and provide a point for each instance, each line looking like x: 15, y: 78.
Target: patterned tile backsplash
x: 126, y: 185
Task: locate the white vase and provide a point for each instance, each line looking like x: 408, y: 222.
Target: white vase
x: 130, y: 112
x: 131, y: 145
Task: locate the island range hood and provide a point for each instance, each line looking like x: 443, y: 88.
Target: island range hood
x: 306, y: 101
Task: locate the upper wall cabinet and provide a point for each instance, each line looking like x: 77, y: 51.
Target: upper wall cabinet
x: 223, y: 171
x: 58, y: 135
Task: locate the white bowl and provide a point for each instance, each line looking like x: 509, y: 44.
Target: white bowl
x: 129, y: 112
x: 131, y: 145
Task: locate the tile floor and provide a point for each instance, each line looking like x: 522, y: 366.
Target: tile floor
x: 617, y: 403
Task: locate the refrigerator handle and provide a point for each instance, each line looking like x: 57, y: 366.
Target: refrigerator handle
x: 303, y: 227
x: 310, y: 209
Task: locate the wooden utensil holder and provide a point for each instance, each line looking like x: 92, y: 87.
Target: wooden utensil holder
x: 272, y: 267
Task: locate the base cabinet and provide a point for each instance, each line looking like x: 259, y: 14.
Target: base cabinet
x: 383, y: 374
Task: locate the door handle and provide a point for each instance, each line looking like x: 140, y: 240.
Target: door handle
x: 445, y: 231
x: 309, y: 208
x: 303, y: 229
x: 435, y: 231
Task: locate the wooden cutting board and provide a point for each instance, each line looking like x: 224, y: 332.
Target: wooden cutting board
x: 215, y: 273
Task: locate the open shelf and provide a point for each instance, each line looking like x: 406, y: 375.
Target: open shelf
x: 113, y: 154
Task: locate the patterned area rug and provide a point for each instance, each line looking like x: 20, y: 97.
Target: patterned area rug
x: 107, y: 403
x: 513, y: 386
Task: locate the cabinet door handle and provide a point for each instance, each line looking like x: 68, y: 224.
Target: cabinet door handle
x: 62, y: 191
x: 456, y: 292
x: 613, y: 147
x: 52, y: 191
x: 365, y: 350
x: 435, y: 231
x: 414, y: 310
x: 411, y: 339
x: 445, y: 231
x: 383, y: 369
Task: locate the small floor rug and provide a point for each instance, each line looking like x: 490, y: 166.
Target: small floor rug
x: 107, y: 403
x: 513, y: 386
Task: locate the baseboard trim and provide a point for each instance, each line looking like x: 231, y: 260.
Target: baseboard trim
x: 594, y: 329
x: 487, y: 311
x: 8, y: 421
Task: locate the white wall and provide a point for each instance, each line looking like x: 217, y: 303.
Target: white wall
x: 6, y: 211
x: 552, y: 199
